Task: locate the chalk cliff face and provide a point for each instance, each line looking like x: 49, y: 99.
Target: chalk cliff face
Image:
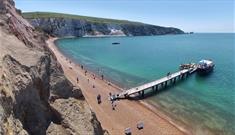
x: 62, y: 27
x: 35, y: 96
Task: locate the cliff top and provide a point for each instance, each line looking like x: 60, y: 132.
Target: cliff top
x: 35, y: 15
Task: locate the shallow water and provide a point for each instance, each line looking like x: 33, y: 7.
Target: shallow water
x: 205, y: 104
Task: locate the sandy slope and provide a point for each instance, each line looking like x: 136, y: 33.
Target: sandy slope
x: 127, y: 112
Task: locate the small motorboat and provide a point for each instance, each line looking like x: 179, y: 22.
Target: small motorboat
x: 115, y: 43
x: 205, y: 66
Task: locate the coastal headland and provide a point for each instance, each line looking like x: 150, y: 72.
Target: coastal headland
x: 66, y: 25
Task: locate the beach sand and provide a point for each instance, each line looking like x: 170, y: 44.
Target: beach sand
x: 127, y: 112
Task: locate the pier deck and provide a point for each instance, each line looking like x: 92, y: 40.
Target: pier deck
x: 163, y: 81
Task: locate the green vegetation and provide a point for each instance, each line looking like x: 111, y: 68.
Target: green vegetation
x: 34, y: 15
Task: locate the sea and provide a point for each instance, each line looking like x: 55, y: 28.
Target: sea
x: 204, y: 104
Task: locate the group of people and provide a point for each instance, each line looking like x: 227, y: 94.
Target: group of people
x: 113, y: 103
x: 99, y: 101
x: 111, y: 98
x: 140, y: 125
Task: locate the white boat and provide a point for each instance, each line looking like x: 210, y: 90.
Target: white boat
x: 205, y: 66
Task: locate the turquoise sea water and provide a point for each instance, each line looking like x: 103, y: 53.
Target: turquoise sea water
x: 205, y: 104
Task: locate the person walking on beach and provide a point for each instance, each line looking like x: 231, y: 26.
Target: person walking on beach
x: 77, y: 80
x: 111, y: 97
x: 98, y: 98
x: 113, y: 105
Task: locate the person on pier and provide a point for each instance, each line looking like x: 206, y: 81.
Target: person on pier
x: 168, y: 74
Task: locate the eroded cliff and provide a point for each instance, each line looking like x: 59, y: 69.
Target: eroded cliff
x: 35, y: 96
x: 62, y: 25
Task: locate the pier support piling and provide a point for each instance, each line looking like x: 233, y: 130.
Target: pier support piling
x: 162, y: 84
x: 143, y: 94
x: 182, y: 76
x: 171, y: 80
x: 153, y: 88
x: 187, y: 74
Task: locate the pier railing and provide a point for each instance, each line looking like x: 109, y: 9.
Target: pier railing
x: 163, y: 82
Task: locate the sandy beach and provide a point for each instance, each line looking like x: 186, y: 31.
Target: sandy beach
x: 126, y: 114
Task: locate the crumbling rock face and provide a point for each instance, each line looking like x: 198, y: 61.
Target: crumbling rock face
x: 55, y: 129
x: 76, y: 119
x: 33, y: 89
x: 62, y: 27
x: 29, y: 95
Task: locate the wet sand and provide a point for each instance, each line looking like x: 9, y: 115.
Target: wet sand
x: 127, y: 113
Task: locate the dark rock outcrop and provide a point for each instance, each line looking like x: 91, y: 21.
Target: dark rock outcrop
x: 33, y: 88
x: 63, y: 27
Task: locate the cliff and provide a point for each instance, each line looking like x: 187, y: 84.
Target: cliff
x: 63, y: 25
x: 35, y: 96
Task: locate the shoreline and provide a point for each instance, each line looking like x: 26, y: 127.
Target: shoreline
x: 143, y: 105
x: 88, y: 71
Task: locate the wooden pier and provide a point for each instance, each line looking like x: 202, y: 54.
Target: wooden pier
x: 163, y: 82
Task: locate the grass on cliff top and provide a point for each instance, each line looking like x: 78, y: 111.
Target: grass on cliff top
x: 35, y: 15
